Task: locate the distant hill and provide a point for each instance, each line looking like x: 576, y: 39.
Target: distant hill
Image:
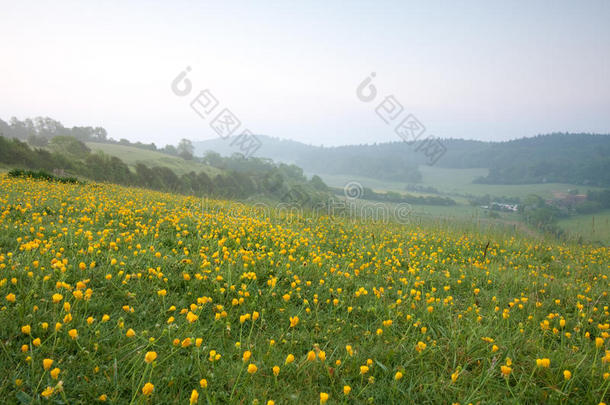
x: 558, y: 157
x: 279, y: 150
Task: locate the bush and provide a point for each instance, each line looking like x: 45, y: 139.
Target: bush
x: 42, y: 175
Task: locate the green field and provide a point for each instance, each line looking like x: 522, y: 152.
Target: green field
x: 457, y: 181
x: 591, y: 227
x: 133, y: 156
x: 122, y: 295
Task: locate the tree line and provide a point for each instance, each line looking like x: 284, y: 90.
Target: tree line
x: 238, y: 177
x: 39, y: 132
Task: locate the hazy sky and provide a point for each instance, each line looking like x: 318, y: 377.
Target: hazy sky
x: 465, y: 69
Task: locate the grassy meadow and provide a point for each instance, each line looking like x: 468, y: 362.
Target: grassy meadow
x: 122, y: 295
x: 459, y: 182
x: 590, y: 227
x: 132, y: 156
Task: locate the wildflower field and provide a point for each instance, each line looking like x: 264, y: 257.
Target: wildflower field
x: 119, y: 295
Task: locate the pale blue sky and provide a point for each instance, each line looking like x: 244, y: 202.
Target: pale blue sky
x: 482, y: 70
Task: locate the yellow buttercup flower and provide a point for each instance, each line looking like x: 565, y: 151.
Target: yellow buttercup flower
x: 47, y: 392
x: 194, y: 397
x: 150, y: 357
x: 47, y: 363
x: 191, y: 317
x: 506, y: 370
x: 246, y: 356
x: 311, y: 355
x: 148, y: 389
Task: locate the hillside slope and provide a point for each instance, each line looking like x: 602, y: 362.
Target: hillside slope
x: 559, y: 158
x: 133, y: 156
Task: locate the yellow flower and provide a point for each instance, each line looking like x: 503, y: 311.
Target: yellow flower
x: 349, y: 350
x: 191, y: 317
x: 103, y: 397
x: 323, y: 397
x: 57, y: 298
x: 322, y: 355
x: 73, y: 333
x: 567, y: 374
x: 194, y: 397
x: 289, y: 359
x: 271, y: 402
x: 150, y: 357
x: 11, y: 297
x: 186, y: 342
x: 364, y: 369
x: 36, y: 342
x: 47, y: 363
x: 276, y: 370
x: 347, y: 389
x: 494, y: 348
x: 252, y: 368
x: 130, y: 333
x: 455, y: 376
x: 148, y: 388
x: 506, y: 370
x: 55, y: 373
x: 599, y: 342
x: 47, y: 392
x: 294, y: 321
x: 545, y: 363
x: 246, y: 356
x: 26, y: 329
x: 311, y: 356
x: 204, y: 383
x: 421, y: 346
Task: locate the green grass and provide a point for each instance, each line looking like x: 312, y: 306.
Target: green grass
x: 458, y: 181
x: 591, y: 227
x: 132, y: 156
x: 204, y: 287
